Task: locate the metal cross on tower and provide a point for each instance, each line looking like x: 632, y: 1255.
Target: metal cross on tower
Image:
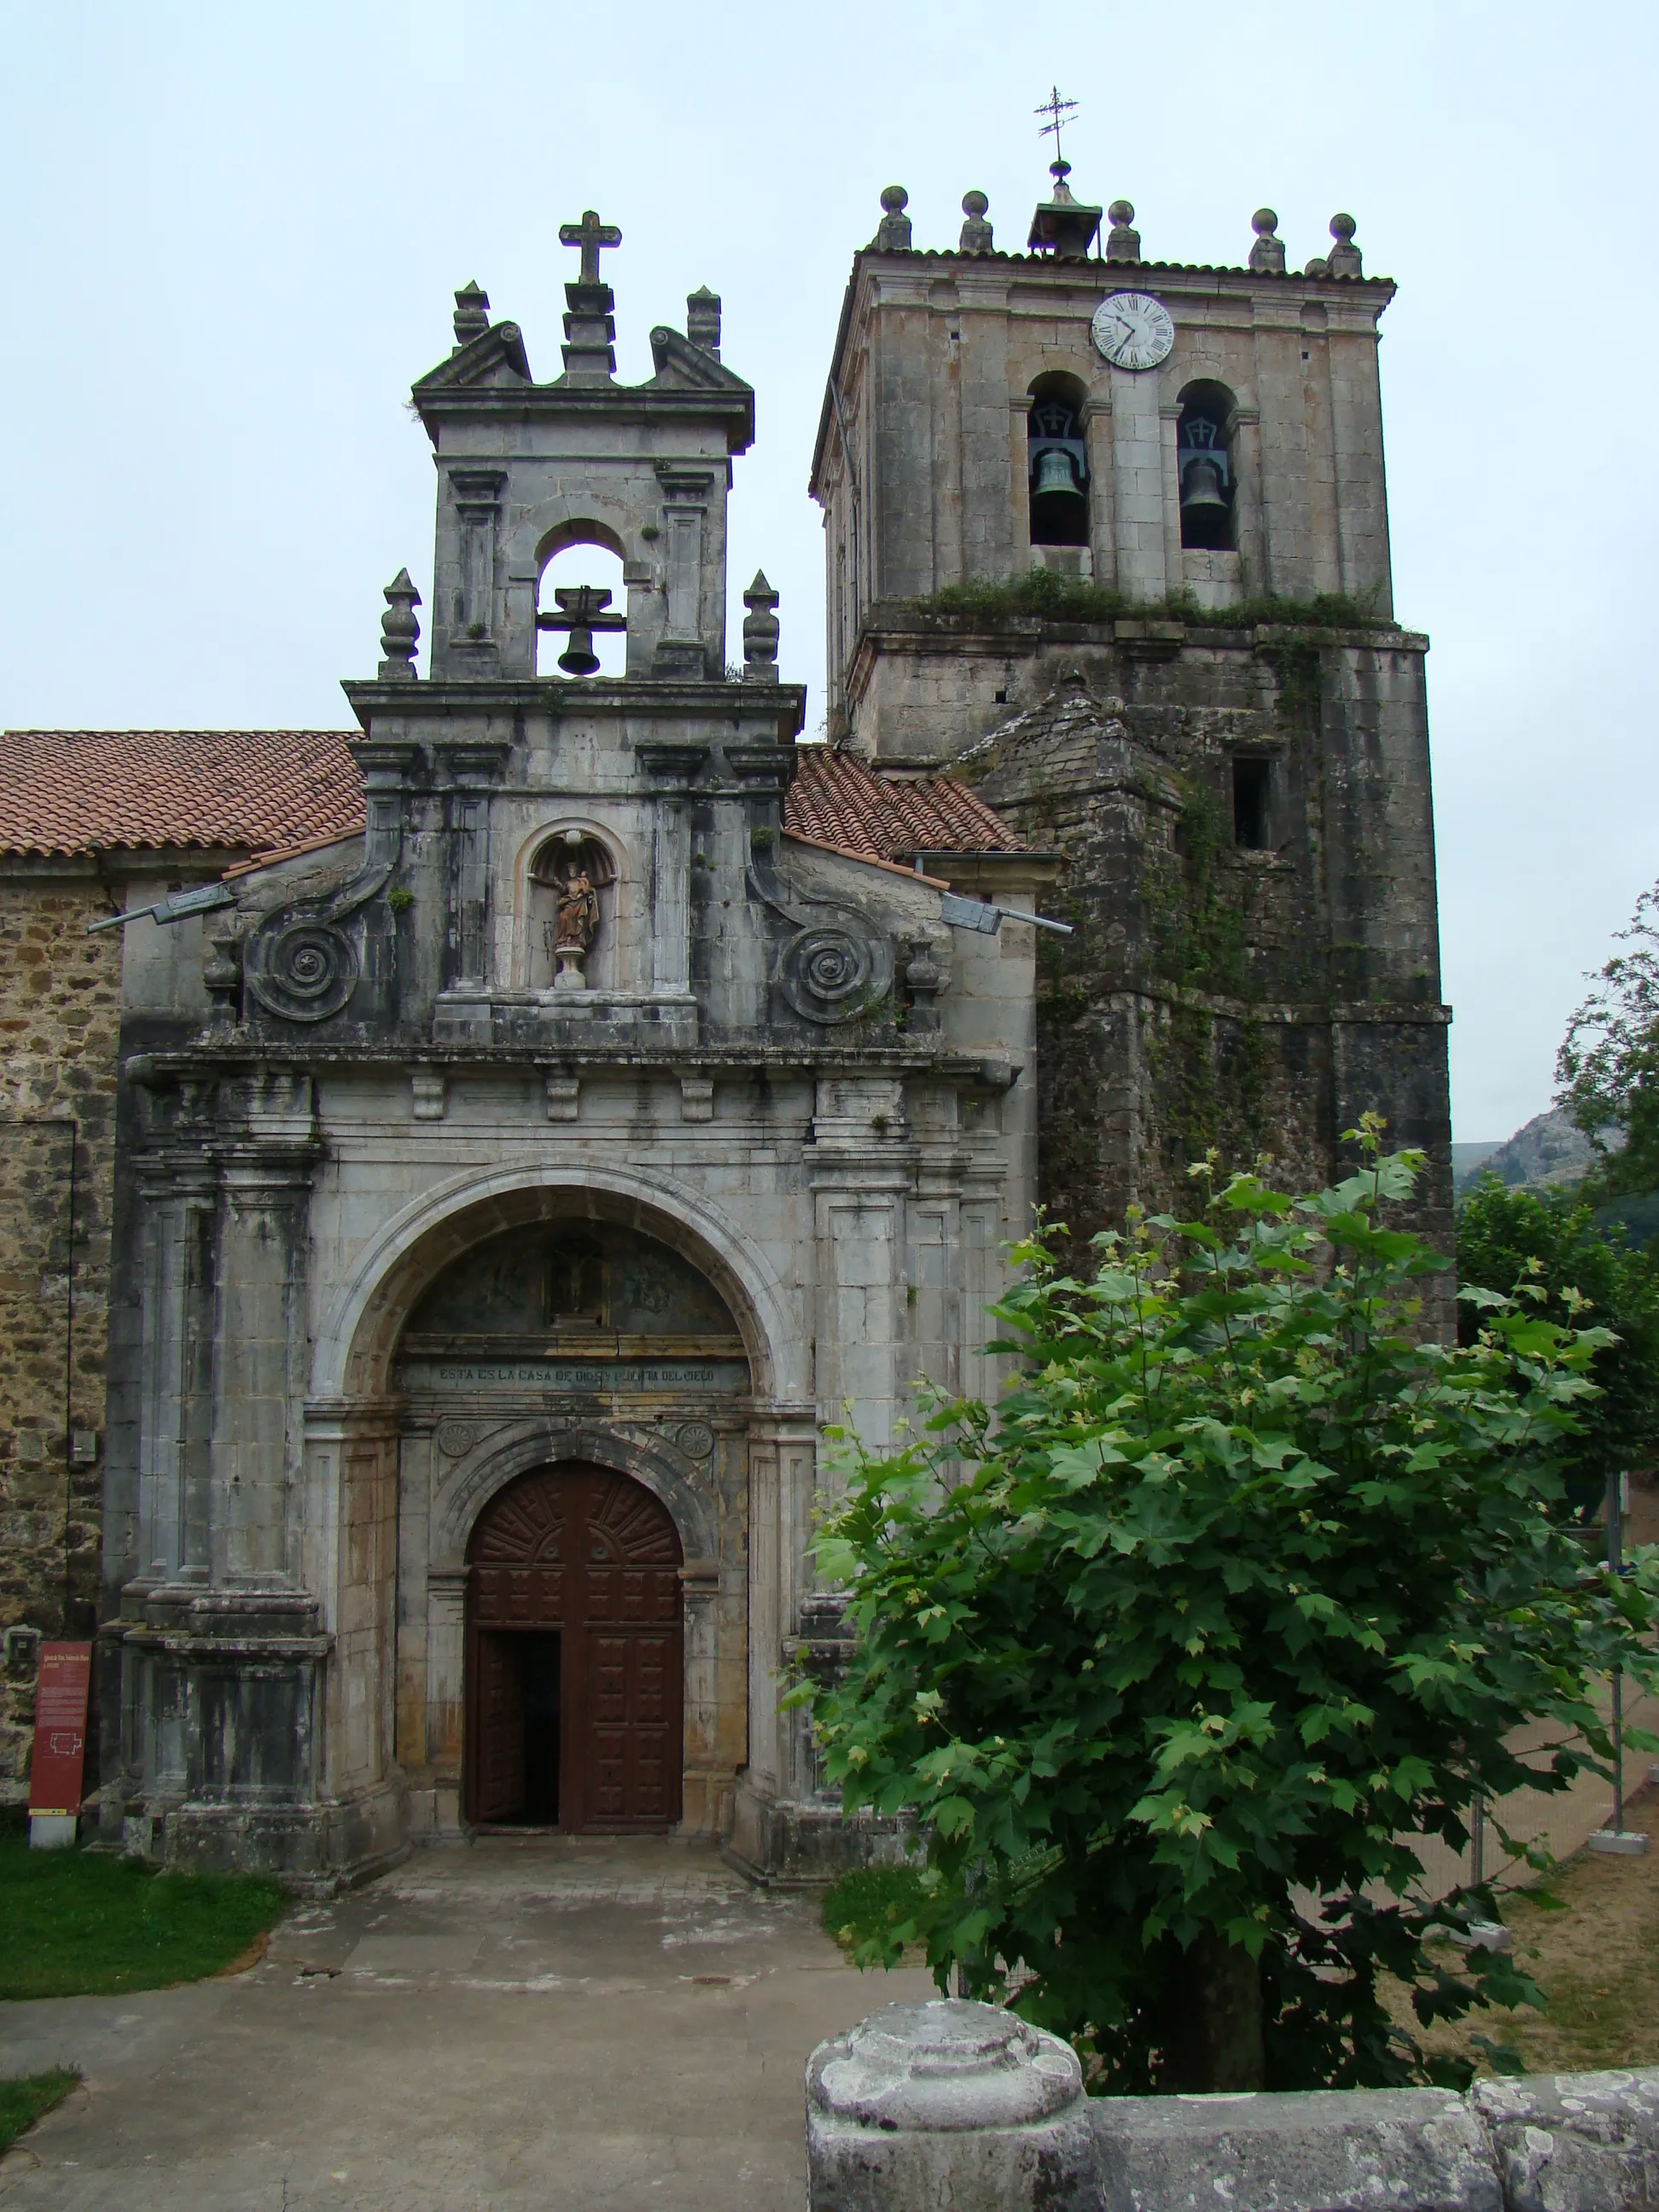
x: 1059, y: 112
x: 592, y: 236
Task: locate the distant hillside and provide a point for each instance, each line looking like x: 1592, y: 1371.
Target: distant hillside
x: 1548, y: 1152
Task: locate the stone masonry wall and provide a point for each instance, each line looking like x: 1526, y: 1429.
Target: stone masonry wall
x: 59, y: 1016
x: 1254, y: 1000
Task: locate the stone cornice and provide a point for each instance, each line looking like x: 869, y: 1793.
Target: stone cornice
x: 782, y: 708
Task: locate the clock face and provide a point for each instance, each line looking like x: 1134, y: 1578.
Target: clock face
x: 1132, y: 329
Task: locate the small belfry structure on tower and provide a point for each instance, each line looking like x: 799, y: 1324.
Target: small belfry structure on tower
x: 1108, y: 538
x: 513, y: 1187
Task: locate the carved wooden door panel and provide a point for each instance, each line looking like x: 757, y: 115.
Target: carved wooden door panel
x: 594, y: 1556
x: 498, y: 1705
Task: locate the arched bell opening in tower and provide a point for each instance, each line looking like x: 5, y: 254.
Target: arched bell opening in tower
x: 580, y: 616
x: 1204, y: 466
x: 1057, y: 472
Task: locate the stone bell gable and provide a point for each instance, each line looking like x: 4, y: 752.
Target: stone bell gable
x: 643, y: 469
x: 515, y: 1182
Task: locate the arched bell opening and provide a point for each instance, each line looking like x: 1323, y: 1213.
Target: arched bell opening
x: 1204, y: 466
x: 582, y: 609
x: 575, y: 1669
x: 1057, y: 462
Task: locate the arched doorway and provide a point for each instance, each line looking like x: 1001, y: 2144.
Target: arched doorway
x: 574, y: 1642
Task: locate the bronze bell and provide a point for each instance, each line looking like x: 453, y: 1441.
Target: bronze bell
x: 579, y: 658
x: 1200, y: 485
x: 1054, y: 475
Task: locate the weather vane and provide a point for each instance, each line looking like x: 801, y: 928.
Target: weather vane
x: 1059, y: 112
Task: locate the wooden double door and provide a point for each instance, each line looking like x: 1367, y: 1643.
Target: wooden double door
x: 573, y: 1705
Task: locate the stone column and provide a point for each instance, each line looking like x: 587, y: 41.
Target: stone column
x: 349, y: 1555
x: 259, y: 1386
x: 694, y: 632
x: 861, y: 1172
x: 1103, y: 517
x: 783, y: 1458
x: 470, y: 773
x: 1168, y: 424
x: 1137, y: 485
x: 181, y: 1196
x: 1251, y: 513
x: 1019, y: 479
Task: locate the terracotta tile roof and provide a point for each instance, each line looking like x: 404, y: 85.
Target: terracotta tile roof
x: 837, y: 800
x: 87, y: 791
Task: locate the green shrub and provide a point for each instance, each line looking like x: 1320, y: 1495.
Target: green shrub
x: 871, y: 1905
x: 1547, y: 1247
x: 1240, y: 1594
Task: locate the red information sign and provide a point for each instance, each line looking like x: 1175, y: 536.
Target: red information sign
x: 60, y: 1729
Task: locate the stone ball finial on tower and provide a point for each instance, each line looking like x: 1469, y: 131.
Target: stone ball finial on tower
x: 472, y: 313
x: 975, y: 231
x: 760, y: 632
x: 893, y: 232
x: 1344, y: 258
x: 400, y: 632
x: 1268, y: 254
x: 702, y: 319
x: 1122, y: 239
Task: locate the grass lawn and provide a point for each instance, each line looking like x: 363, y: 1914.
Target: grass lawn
x: 81, y: 1923
x: 1596, y: 1961
x: 24, y: 2101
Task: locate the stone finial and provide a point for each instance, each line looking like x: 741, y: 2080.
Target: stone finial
x: 1318, y: 266
x: 760, y: 632
x: 1344, y: 258
x: 1122, y: 239
x: 976, y: 232
x: 926, y: 980
x: 400, y: 632
x: 702, y: 319
x: 472, y: 313
x: 1268, y: 254
x: 893, y: 232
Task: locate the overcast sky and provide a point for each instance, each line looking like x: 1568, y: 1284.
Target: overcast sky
x: 231, y: 236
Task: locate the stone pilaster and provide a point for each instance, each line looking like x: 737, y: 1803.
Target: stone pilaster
x: 470, y: 773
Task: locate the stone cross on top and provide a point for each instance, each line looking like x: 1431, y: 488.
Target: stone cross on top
x: 592, y: 236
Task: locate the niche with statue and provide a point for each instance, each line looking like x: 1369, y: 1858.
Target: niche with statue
x: 572, y: 931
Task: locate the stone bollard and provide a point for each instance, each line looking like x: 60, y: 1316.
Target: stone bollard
x: 947, y: 2105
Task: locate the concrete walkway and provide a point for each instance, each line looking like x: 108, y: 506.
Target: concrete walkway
x: 542, y: 2022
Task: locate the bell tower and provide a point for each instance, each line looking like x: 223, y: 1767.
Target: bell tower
x: 1107, y: 536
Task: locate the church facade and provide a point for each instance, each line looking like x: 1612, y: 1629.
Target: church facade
x: 510, y: 1189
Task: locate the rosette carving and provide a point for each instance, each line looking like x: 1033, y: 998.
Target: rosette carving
x: 830, y: 970
x: 300, y: 964
x: 829, y: 975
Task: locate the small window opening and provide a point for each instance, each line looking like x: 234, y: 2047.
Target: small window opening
x: 1250, y: 780
x: 1057, y: 472
x: 1204, y: 463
